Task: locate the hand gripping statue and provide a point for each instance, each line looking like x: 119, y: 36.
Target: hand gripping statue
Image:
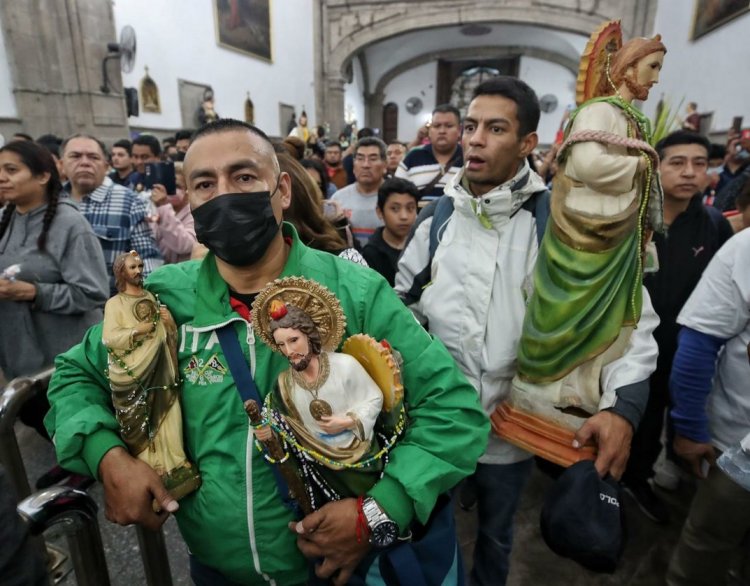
x: 140, y: 336
x: 587, y: 285
x: 326, y: 404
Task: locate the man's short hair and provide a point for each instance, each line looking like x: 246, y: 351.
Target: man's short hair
x: 184, y: 134
x: 124, y: 144
x: 83, y: 135
x: 369, y: 141
x: 396, y: 185
x: 150, y: 141
x: 448, y: 109
x: 168, y: 142
x: 333, y: 144
x: 365, y: 133
x: 718, y: 151
x: 512, y: 88
x: 679, y: 137
x: 400, y: 142
x: 227, y: 125
x: 23, y: 136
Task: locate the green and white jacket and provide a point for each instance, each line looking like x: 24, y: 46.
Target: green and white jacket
x: 236, y: 522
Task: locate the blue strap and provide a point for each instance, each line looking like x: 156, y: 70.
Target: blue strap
x: 247, y: 389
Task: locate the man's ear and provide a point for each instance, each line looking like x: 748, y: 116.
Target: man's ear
x: 528, y: 144
x: 285, y: 190
x: 379, y: 212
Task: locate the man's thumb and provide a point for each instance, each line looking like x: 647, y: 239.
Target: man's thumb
x: 583, y: 435
x: 164, y: 499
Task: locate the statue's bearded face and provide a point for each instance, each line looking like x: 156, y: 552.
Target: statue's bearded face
x: 295, y: 345
x: 133, y: 271
x: 642, y: 76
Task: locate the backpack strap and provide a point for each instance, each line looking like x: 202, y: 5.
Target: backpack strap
x: 539, y: 206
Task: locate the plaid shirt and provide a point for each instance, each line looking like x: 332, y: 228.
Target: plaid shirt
x: 119, y: 219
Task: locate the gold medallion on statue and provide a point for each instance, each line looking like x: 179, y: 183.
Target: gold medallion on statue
x: 320, y: 409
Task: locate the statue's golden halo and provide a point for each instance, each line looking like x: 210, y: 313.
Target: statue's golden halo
x: 312, y: 298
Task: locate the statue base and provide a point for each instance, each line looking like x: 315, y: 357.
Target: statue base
x: 182, y: 481
x: 540, y: 436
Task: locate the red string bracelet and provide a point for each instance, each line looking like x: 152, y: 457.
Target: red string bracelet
x: 363, y: 529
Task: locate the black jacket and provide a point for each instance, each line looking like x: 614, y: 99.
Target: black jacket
x: 381, y: 256
x: 684, y: 253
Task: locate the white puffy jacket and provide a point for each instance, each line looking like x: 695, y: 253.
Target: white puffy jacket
x: 475, y: 302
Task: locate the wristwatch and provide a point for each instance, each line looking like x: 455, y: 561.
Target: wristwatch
x: 383, y: 531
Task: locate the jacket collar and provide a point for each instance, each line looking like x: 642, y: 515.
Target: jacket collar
x: 212, y: 307
x: 98, y: 195
x: 496, y: 206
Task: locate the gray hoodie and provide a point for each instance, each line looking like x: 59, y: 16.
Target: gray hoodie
x: 71, y: 281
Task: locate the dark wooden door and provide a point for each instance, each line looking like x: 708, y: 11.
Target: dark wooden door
x: 390, y: 122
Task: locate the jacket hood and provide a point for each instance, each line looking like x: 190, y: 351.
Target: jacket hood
x: 495, y: 208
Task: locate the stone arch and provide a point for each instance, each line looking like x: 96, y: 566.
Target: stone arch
x: 350, y: 27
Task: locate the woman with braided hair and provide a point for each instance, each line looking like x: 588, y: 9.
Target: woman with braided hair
x: 53, y: 281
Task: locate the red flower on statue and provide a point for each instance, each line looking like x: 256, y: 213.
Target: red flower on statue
x: 277, y: 309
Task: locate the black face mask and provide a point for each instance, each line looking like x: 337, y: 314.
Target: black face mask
x: 237, y: 227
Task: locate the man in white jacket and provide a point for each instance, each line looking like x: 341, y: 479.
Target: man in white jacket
x: 471, y: 288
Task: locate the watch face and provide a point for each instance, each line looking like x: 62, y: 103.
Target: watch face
x: 384, y: 534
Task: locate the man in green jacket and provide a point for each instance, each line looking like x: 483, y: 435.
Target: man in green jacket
x: 236, y: 524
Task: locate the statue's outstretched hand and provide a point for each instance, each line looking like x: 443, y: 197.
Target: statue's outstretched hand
x: 130, y: 487
x: 613, y: 434
x: 331, y: 533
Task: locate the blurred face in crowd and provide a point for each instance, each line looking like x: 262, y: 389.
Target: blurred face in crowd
x: 444, y: 132
x: 684, y: 171
x: 143, y: 154
x: 17, y: 184
x: 333, y: 156
x: 84, y: 164
x: 369, y: 168
x: 493, y: 149
x: 182, y: 145
x: 179, y: 200
x: 394, y: 154
x: 234, y: 161
x: 121, y: 160
x: 398, y: 214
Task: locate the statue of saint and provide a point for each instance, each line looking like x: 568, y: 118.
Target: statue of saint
x: 326, y: 404
x: 141, y: 340
x: 606, y: 202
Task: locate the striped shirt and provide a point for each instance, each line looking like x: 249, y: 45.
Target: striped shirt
x: 420, y: 167
x: 119, y: 219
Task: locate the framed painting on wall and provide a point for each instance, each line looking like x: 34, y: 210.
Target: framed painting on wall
x: 711, y: 14
x: 245, y: 26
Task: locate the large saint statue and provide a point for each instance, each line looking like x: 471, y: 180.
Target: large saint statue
x: 326, y: 403
x: 606, y: 202
x: 141, y: 340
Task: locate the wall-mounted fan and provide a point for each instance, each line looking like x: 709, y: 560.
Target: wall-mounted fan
x: 414, y: 105
x: 548, y: 103
x: 124, y: 51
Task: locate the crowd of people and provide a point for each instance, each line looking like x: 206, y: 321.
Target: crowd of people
x: 71, y: 207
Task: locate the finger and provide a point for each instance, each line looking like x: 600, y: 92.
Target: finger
x: 617, y: 469
x: 326, y: 569
x: 603, y: 462
x: 711, y: 457
x: 583, y: 435
x: 161, y: 495
x: 309, y: 524
x: 343, y: 576
x: 695, y: 465
x: 309, y: 549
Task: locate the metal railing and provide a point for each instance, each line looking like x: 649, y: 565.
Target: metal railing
x: 152, y: 544
x: 76, y: 511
